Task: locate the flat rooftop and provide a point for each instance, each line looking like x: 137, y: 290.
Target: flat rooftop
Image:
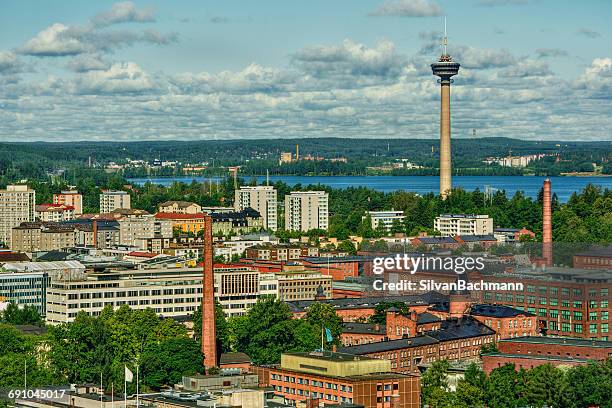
x: 561, y: 341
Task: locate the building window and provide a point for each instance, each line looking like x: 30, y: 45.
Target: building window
x: 593, y: 328
x: 565, y: 327
x: 592, y: 316
x: 604, y: 327
x: 578, y: 328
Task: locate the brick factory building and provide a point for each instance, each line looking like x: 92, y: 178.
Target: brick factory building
x: 457, y: 339
x: 567, y: 301
x: 335, y: 378
x: 531, y: 351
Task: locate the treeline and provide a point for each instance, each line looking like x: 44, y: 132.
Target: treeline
x: 543, y: 386
x: 90, y: 347
x: 35, y: 160
x: 269, y: 329
x: 586, y: 217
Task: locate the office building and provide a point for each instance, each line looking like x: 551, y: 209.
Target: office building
x: 113, y: 200
x: 26, y: 283
x: 296, y: 283
x: 463, y: 224
x: 262, y: 199
x: 71, y: 198
x: 306, y: 210
x: 338, y: 378
x: 16, y: 206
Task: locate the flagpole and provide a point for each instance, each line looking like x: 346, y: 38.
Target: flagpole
x: 113, y: 395
x: 322, y: 349
x: 124, y: 387
x: 137, y: 386
x: 101, y: 390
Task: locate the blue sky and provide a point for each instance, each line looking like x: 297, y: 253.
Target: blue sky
x: 146, y: 70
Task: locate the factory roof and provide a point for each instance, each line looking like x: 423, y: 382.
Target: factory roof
x: 560, y: 341
x: 490, y: 310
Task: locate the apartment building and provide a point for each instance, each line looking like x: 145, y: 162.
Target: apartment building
x: 113, y: 200
x: 16, y: 206
x: 281, y: 252
x: 386, y: 218
x: 338, y: 378
x: 180, y: 207
x: 54, y: 212
x: 71, y: 198
x: 135, y: 230
x: 463, y: 224
x: 306, y: 210
x: 262, y: 199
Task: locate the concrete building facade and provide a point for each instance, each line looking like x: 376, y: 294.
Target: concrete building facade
x: 306, y: 210
x: 17, y: 205
x: 463, y: 224
x: 113, y: 200
x: 262, y: 199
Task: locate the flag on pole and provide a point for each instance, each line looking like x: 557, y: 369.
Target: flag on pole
x: 129, y: 376
x: 328, y: 335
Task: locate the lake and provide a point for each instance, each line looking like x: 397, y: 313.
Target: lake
x: 529, y: 185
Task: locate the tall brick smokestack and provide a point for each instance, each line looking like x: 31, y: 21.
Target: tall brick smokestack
x: 95, y: 233
x: 547, y: 224
x: 209, y: 332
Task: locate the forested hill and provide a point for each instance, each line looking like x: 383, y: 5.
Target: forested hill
x: 257, y: 156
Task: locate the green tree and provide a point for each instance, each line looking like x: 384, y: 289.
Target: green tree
x: 323, y: 315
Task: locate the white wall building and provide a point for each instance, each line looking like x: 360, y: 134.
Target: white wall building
x: 463, y: 224
x: 133, y: 230
x: 112, y: 200
x: 306, y: 210
x: 262, y: 199
x: 170, y: 292
x: 386, y: 218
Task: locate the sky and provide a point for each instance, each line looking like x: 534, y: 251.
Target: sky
x: 186, y: 70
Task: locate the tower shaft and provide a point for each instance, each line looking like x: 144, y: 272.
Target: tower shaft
x: 445, y: 140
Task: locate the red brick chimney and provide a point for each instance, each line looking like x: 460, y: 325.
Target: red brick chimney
x: 547, y: 224
x: 209, y: 342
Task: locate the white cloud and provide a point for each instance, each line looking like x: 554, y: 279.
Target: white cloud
x: 120, y: 78
x: 123, y: 12
x: 10, y: 64
x: 408, y: 8
x: 88, y: 62
x: 55, y: 40
x: 596, y: 81
x: 350, y: 58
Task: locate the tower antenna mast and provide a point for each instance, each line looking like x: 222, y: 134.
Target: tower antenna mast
x: 445, y: 40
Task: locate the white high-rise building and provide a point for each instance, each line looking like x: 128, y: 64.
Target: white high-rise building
x: 17, y: 205
x: 463, y: 224
x: 112, y: 200
x: 262, y: 199
x: 306, y: 210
